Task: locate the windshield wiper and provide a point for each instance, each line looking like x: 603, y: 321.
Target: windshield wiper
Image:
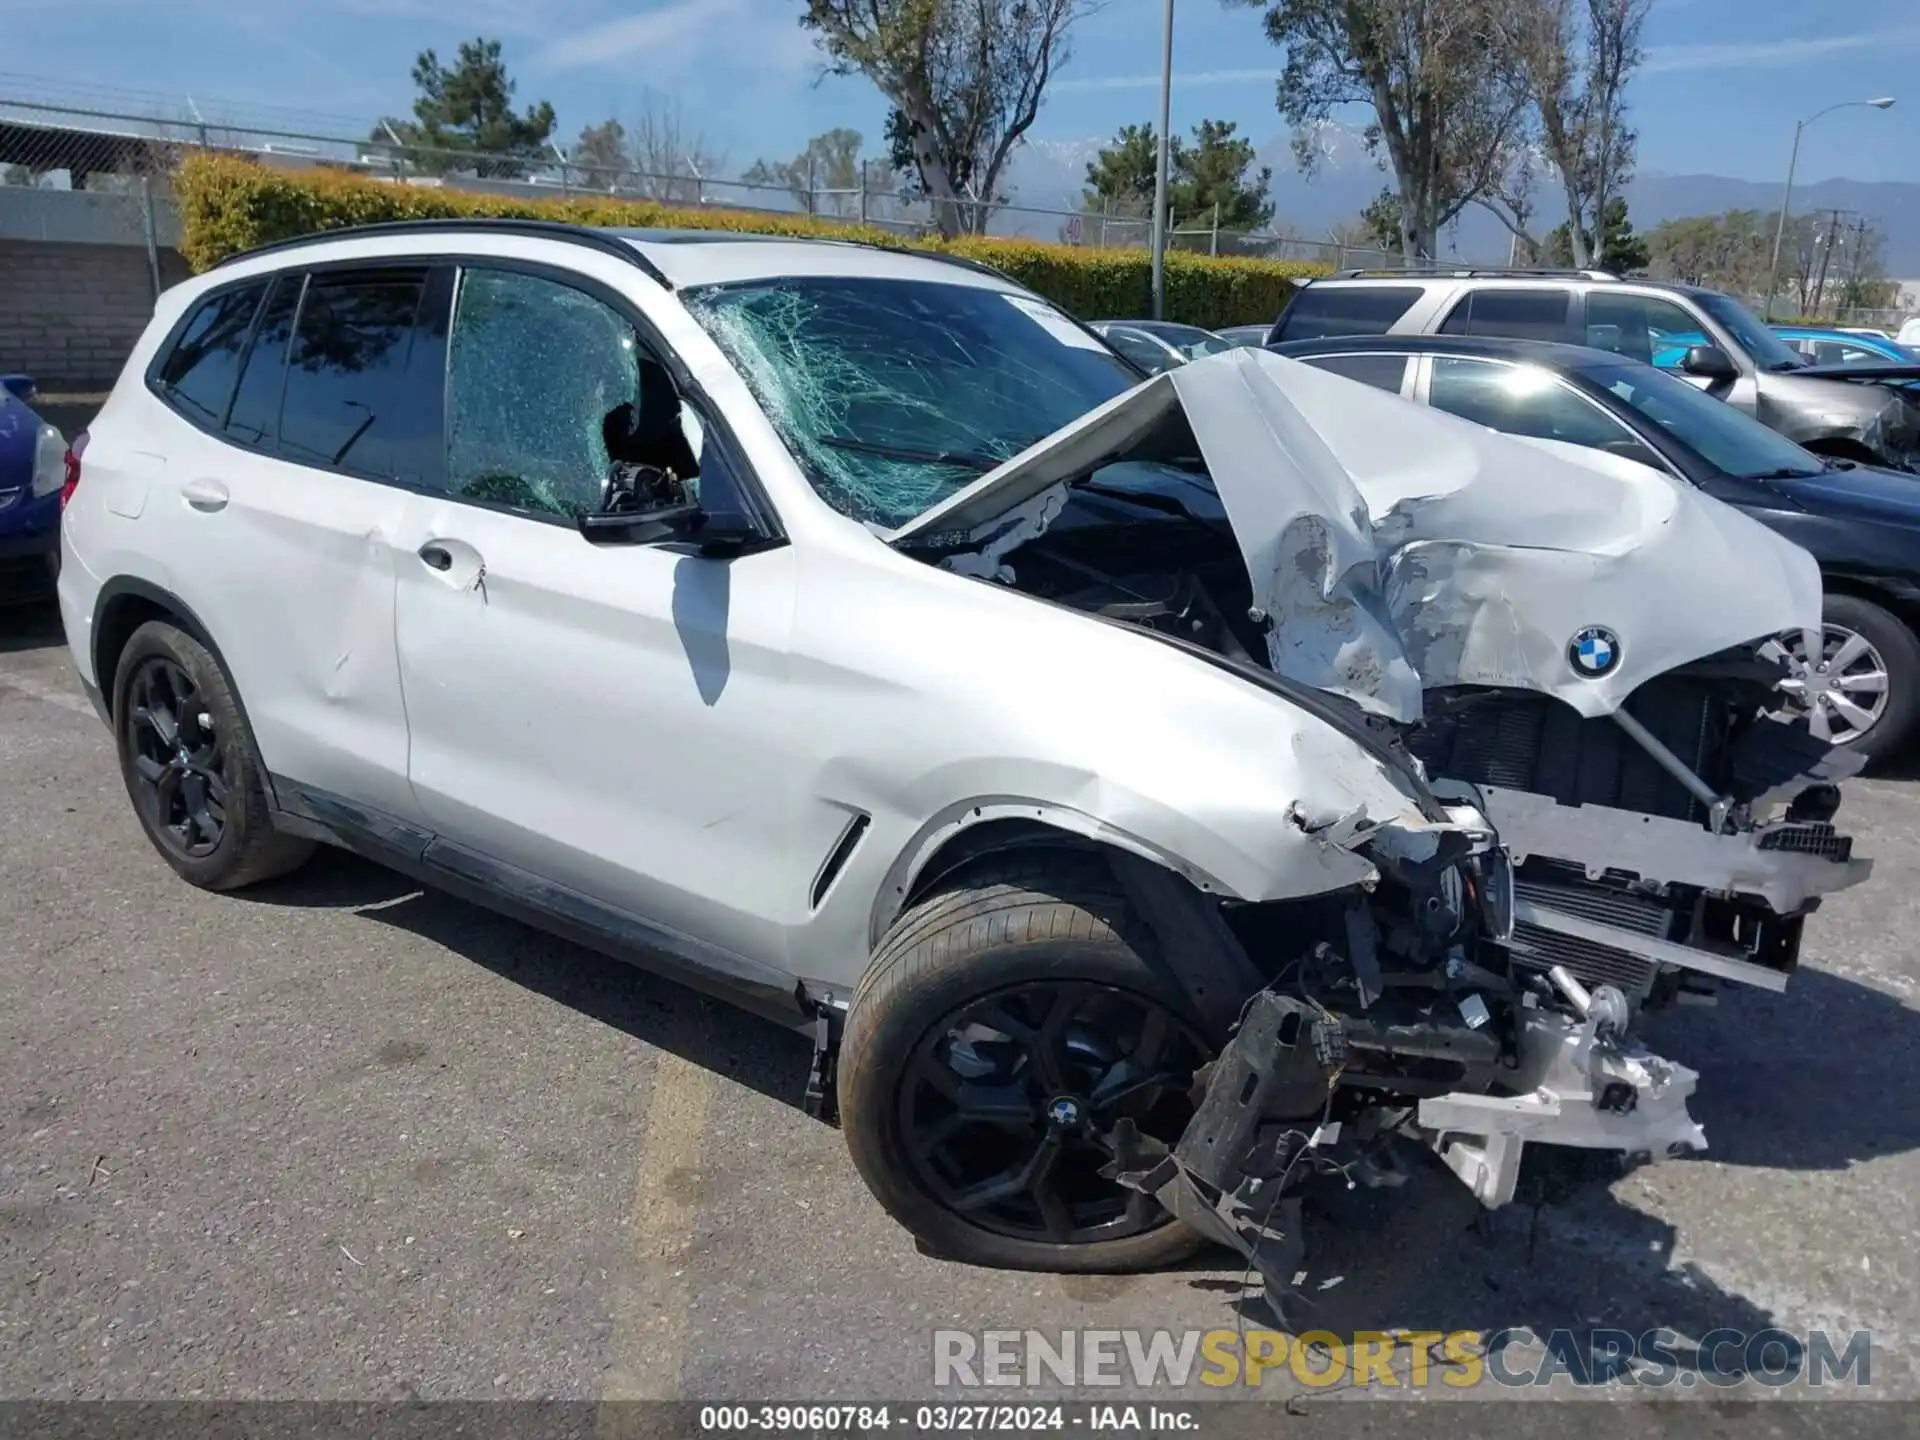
x: 965, y: 459
x: 1145, y: 499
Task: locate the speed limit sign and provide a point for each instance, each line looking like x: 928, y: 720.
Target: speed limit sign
x: 1073, y: 230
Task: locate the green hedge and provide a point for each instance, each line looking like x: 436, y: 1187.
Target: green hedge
x: 228, y: 205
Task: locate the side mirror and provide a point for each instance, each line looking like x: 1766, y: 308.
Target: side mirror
x: 644, y: 505
x: 1709, y: 362
x: 21, y: 387
x: 654, y: 525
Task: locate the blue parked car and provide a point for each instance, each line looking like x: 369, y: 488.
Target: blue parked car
x: 1844, y: 347
x: 33, y: 472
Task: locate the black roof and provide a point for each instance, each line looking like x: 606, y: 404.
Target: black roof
x: 616, y: 240
x: 1570, y: 277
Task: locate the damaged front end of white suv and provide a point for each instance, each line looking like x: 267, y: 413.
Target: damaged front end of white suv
x: 1570, y: 656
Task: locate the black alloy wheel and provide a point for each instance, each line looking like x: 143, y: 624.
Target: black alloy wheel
x: 1003, y: 1106
x: 179, y: 764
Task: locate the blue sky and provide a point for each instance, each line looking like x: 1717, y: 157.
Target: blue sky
x: 1724, y: 81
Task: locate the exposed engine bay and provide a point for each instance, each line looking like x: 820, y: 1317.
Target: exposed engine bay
x: 1610, y: 836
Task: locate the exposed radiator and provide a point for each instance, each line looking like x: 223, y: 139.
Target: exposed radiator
x: 1564, y: 887
x: 1522, y: 741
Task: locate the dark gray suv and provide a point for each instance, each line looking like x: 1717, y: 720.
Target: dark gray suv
x: 1867, y: 413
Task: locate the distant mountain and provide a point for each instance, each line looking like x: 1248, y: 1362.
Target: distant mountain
x: 1049, y: 175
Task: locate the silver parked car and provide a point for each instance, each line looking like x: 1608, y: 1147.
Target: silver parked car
x: 1860, y: 412
x: 851, y: 633
x: 1156, y: 346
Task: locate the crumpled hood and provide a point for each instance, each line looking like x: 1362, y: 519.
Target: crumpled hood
x: 1396, y: 548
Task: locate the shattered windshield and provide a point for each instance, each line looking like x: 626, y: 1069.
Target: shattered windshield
x: 893, y: 394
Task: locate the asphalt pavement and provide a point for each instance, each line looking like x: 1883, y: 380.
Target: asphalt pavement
x: 339, y: 1138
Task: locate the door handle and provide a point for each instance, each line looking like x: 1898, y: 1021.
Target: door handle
x: 437, y: 557
x: 205, y: 495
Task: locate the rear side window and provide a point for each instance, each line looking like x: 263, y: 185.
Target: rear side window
x: 1641, y: 327
x: 1322, y: 310
x: 1512, y: 314
x: 1142, y: 351
x: 1383, y: 372
x: 365, y: 377
x: 198, y: 372
x: 255, y: 417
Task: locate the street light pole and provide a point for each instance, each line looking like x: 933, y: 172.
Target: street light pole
x: 1885, y: 102
x: 1160, y: 168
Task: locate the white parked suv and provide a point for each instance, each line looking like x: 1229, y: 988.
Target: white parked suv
x: 852, y: 633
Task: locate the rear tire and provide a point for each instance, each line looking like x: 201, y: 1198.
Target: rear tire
x: 954, y: 998
x: 190, y: 766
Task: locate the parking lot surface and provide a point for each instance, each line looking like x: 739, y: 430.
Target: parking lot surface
x: 339, y: 1138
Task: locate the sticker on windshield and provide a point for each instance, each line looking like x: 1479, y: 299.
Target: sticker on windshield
x: 1054, y: 323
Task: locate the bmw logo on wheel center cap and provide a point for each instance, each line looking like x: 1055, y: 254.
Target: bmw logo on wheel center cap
x: 1064, y: 1111
x: 1594, y: 652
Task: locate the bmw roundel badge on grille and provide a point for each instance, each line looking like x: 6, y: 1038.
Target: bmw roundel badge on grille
x: 1594, y: 652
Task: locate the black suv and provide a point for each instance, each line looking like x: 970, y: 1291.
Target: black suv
x: 1857, y: 684
x: 1849, y: 412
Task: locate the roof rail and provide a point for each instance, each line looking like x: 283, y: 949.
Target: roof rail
x: 533, y: 229
x: 1470, y: 272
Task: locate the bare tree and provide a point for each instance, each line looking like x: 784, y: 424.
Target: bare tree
x: 672, y: 161
x: 1572, y: 59
x: 966, y: 78
x: 830, y: 176
x: 1445, y: 107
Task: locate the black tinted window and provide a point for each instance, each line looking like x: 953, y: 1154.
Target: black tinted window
x: 1138, y: 348
x: 255, y: 417
x: 1322, y: 310
x: 199, y: 371
x: 1515, y: 314
x: 354, y: 400
x: 1640, y: 327
x: 1383, y: 372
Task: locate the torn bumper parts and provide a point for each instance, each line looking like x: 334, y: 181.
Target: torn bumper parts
x: 1416, y: 1028
x: 1268, y: 1119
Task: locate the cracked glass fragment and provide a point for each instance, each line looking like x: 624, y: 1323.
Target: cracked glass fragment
x: 894, y: 394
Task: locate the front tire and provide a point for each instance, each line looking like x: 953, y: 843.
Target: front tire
x: 190, y: 766
x: 1858, y: 682
x: 1006, y: 1022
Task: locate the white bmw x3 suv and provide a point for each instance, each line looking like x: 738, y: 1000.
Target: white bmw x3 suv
x: 852, y: 633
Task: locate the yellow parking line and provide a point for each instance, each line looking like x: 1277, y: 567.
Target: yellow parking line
x: 650, y: 1307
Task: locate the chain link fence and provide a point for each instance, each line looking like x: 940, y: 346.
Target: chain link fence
x: 98, y: 165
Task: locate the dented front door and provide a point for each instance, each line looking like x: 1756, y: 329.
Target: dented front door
x: 604, y: 717
x: 607, y: 718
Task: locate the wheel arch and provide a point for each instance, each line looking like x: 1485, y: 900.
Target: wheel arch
x: 127, y: 602
x: 123, y: 605
x: 1838, y: 445
x: 1902, y: 601
x: 1178, y: 903
x: 974, y: 830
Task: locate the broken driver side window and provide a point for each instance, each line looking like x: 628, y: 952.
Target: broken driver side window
x: 552, y: 398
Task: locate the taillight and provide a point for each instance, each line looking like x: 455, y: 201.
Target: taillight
x: 74, y: 452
